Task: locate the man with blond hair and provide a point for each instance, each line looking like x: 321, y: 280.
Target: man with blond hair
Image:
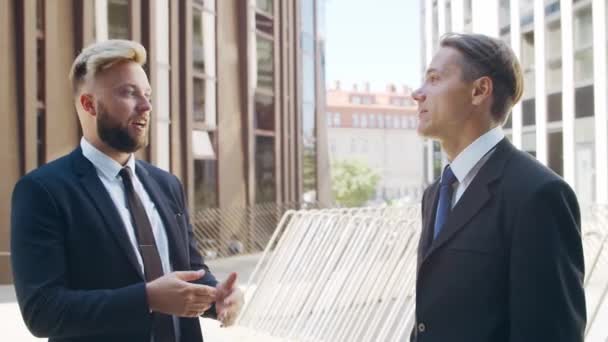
x: 102, y: 246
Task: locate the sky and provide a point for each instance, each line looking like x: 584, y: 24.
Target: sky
x: 376, y: 41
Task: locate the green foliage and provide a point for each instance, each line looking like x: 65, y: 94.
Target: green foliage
x: 353, y: 182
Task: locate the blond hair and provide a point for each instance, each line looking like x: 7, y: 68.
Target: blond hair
x: 102, y: 55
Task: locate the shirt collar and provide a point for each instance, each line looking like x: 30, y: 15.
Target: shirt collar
x: 107, y: 166
x: 472, y: 154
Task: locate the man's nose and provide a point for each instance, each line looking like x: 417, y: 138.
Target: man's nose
x: 144, y: 105
x: 418, y: 95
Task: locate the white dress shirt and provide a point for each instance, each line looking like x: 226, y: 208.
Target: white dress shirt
x: 468, y: 163
x: 107, y: 171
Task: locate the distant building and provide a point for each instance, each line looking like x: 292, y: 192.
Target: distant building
x: 379, y: 128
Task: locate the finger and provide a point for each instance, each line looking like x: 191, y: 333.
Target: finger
x: 199, y: 308
x: 189, y: 275
x: 235, y: 297
x: 202, y: 290
x: 229, y: 283
x: 192, y: 314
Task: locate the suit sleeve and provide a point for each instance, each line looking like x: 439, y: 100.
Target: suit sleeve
x: 547, y: 301
x: 196, y: 259
x: 38, y: 255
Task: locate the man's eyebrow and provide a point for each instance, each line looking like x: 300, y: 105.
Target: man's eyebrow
x: 146, y: 90
x: 431, y: 70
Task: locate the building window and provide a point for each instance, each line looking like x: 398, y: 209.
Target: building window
x: 337, y: 119
x: 583, y: 46
x: 119, y: 19
x: 204, y: 67
x: 380, y: 121
x: 265, y: 179
x: 355, y: 120
x: 504, y: 14
x: 527, y: 63
x: 264, y: 115
x: 372, y: 120
x: 405, y: 122
x: 204, y: 83
x: 330, y: 118
x: 554, y: 57
x: 205, y: 183
x: 264, y: 112
x: 364, y: 120
x: 266, y: 6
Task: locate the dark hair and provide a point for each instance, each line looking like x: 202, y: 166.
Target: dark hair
x: 491, y: 57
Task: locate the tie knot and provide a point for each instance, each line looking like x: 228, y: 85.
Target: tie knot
x: 126, y: 173
x: 448, y: 177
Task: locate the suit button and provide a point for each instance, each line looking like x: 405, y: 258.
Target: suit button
x: 421, y: 327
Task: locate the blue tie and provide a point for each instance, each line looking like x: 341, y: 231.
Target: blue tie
x: 445, y: 199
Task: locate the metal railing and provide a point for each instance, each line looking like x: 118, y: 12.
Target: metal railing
x: 222, y: 232
x: 349, y: 275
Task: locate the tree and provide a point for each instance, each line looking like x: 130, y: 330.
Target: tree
x: 353, y: 182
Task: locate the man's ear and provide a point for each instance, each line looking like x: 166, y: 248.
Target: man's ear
x: 87, y: 102
x: 483, y: 88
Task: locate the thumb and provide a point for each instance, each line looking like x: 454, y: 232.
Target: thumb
x: 230, y: 281
x: 189, y: 275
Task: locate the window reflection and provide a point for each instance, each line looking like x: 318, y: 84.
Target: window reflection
x: 264, y: 112
x: 198, y: 56
x: 265, y: 62
x: 264, y: 169
x: 265, y: 5
x: 198, y: 96
x: 119, y: 19
x: 205, y: 183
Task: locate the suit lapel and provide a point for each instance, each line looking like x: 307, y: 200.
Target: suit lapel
x: 177, y: 245
x: 101, y: 199
x: 474, y: 197
x: 429, y: 218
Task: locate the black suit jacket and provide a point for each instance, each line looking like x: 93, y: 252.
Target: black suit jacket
x: 508, y: 264
x: 75, y: 271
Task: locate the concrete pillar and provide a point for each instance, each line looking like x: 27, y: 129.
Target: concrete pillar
x: 599, y: 80
x: 540, y: 66
x: 568, y: 107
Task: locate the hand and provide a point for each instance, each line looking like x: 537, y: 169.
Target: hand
x: 172, y: 294
x: 229, y: 300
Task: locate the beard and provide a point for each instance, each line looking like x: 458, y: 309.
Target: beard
x: 116, y: 136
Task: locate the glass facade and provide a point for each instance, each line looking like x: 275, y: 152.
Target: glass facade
x: 264, y: 106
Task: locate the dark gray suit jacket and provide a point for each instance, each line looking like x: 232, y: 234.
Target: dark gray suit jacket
x: 508, y: 265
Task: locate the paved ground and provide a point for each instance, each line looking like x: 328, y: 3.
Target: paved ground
x: 243, y: 265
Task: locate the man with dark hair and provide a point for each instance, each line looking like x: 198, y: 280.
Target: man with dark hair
x: 500, y: 256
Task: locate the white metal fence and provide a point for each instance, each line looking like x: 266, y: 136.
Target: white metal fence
x: 349, y: 275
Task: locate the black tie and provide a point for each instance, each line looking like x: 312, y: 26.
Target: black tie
x: 162, y: 326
